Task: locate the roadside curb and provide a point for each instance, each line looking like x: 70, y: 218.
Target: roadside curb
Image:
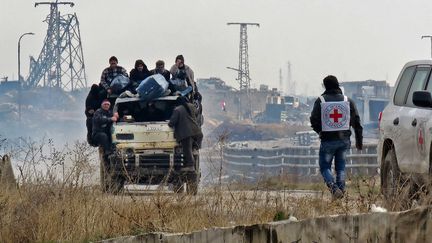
x: 406, y: 226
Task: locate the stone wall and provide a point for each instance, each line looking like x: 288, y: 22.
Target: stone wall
x: 408, y: 226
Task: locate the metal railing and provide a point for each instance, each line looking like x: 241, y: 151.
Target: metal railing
x: 297, y: 160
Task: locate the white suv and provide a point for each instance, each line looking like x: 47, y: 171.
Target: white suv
x: 405, y: 129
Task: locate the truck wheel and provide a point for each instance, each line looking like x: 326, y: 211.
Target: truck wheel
x: 103, y: 179
x: 103, y: 172
x: 117, y: 184
x: 110, y: 182
x: 392, y: 181
x: 116, y: 180
x: 178, y: 187
x: 192, y: 184
x: 194, y: 179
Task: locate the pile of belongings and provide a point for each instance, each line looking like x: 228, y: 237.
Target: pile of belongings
x: 152, y: 87
x: 119, y: 84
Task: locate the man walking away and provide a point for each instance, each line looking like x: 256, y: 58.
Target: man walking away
x: 102, y: 121
x: 332, y: 116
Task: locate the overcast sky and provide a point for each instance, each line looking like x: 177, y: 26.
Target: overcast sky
x: 354, y: 40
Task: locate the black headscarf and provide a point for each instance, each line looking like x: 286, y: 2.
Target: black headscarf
x: 137, y: 76
x: 331, y: 85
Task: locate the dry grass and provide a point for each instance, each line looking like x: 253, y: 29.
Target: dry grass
x: 41, y: 213
x: 55, y: 202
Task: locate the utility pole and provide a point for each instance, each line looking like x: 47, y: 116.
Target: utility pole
x: 243, y: 70
x: 19, y: 73
x: 19, y: 54
x: 61, y: 60
x: 280, y: 81
x: 243, y: 73
x: 430, y: 37
x: 290, y: 85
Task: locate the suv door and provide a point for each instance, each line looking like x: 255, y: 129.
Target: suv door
x: 393, y: 121
x: 422, y: 120
x: 406, y: 152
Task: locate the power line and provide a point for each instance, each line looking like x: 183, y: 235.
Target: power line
x: 61, y: 60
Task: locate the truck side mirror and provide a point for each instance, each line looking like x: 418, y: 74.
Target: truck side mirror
x: 422, y: 99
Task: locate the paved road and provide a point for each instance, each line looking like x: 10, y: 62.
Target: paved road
x: 140, y: 190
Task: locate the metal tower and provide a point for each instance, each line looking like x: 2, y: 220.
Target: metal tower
x: 280, y: 81
x: 243, y: 69
x: 61, y: 61
x: 291, y: 85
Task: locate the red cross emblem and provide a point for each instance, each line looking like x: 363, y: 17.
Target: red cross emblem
x: 420, y: 138
x: 336, y: 115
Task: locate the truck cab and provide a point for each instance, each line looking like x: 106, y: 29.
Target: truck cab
x: 145, y: 150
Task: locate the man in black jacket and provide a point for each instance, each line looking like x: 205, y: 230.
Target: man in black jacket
x: 92, y: 104
x: 102, y: 120
x: 332, y: 116
x: 138, y: 74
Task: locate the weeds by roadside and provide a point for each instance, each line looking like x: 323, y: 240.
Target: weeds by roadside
x: 55, y: 201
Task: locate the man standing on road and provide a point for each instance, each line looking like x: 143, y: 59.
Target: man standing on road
x: 332, y: 116
x: 109, y: 74
x: 102, y: 120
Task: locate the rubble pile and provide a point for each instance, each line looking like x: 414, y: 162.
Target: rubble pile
x: 243, y: 131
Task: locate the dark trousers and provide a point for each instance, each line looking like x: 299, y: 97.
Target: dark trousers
x: 187, y: 151
x: 197, y: 141
x: 89, y: 125
x: 189, y: 144
x: 334, y: 149
x: 102, y: 139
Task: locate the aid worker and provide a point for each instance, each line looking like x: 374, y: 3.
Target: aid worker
x: 332, y: 116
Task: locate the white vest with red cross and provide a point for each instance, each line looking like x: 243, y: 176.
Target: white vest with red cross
x: 335, y: 115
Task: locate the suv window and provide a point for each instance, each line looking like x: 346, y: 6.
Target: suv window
x: 429, y: 84
x: 418, y: 83
x: 399, y: 98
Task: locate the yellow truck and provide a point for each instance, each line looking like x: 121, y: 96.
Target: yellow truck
x: 145, y: 150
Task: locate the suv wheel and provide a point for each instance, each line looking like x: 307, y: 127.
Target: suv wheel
x: 394, y: 187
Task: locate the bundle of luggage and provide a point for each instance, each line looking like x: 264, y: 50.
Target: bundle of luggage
x: 152, y: 87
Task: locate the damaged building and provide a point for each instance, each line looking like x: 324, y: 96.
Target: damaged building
x: 370, y: 96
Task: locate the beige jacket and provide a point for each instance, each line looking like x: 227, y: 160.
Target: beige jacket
x: 189, y: 72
